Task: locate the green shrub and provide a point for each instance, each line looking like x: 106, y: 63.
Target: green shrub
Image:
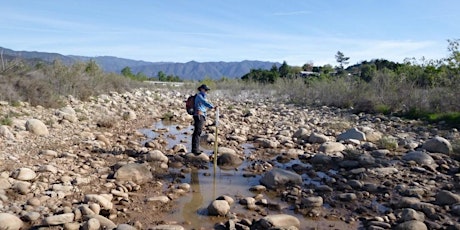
x: 388, y: 142
x: 6, y: 121
x: 168, y: 116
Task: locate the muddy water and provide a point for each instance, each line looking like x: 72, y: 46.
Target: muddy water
x: 209, y: 183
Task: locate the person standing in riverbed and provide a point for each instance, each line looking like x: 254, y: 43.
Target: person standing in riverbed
x: 199, y: 116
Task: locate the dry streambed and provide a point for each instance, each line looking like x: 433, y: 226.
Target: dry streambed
x: 92, y: 165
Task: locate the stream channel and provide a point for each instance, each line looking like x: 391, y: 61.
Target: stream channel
x: 210, y: 183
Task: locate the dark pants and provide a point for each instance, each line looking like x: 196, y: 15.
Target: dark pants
x: 198, y: 128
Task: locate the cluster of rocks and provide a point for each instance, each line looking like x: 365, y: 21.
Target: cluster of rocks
x: 84, y: 166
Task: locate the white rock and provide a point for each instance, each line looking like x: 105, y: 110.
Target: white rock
x: 156, y: 155
x: 10, y: 222
x: 24, y: 174
x: 92, y: 224
x: 353, y: 133
x: 101, y: 200
x: 59, y: 219
x: 279, y: 221
x: 5, y: 132
x: 36, y: 127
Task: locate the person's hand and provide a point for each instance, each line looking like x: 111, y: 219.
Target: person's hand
x: 216, y: 107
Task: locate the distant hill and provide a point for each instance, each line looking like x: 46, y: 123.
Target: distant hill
x: 189, y: 71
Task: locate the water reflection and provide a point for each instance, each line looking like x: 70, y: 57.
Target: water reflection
x: 191, y: 208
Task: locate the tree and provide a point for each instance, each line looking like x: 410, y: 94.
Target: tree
x: 341, y: 59
x: 161, y: 76
x: 308, y: 66
x: 127, y: 72
x: 284, y: 70
x: 454, y: 57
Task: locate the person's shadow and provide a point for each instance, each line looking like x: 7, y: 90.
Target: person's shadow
x: 191, y: 209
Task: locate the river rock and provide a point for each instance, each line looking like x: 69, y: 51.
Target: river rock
x: 312, y: 201
x: 411, y: 225
x: 24, y: 174
x: 302, y: 134
x: 167, y: 227
x: 267, y: 143
x: 31, y: 216
x: 126, y: 227
x: 202, y: 157
x: 437, y: 145
x: 59, y: 219
x: 321, y: 159
x: 222, y: 150
x: 353, y: 133
x: 4, y: 183
x: 318, y: 138
x: 156, y: 155
x: 279, y: 221
x: 36, y: 127
x: 280, y: 177
x: 92, y: 224
x: 330, y: 147
x: 160, y: 199
x: 100, y: 199
x: 409, y: 214
x: 137, y: 173
x: 218, y: 208
x: 105, y: 223
x: 10, y: 222
x: 419, y: 157
x: 5, y: 132
x: 229, y: 161
x: 447, y: 198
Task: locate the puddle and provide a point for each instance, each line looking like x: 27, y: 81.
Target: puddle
x: 208, y: 184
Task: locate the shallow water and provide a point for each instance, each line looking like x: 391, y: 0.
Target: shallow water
x: 208, y: 184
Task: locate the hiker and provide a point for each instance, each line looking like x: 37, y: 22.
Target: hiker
x: 199, y: 116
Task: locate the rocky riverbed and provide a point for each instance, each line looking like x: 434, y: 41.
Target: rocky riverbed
x: 89, y: 165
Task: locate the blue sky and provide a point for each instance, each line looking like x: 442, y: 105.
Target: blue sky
x: 295, y: 31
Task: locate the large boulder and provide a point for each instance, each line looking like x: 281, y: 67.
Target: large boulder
x: 447, y: 198
x: 229, y: 161
x: 36, y: 127
x: 419, y: 157
x: 10, y: 222
x: 437, y: 145
x: 218, y: 208
x: 280, y: 177
x: 353, y: 133
x: 137, y: 173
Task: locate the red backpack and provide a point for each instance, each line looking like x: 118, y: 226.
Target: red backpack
x: 190, y: 104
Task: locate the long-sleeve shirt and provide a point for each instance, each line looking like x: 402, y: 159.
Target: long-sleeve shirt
x: 201, y: 104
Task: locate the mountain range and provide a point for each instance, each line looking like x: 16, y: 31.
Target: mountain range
x: 188, y: 71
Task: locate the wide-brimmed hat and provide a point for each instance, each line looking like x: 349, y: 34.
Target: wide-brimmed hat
x: 203, y: 86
